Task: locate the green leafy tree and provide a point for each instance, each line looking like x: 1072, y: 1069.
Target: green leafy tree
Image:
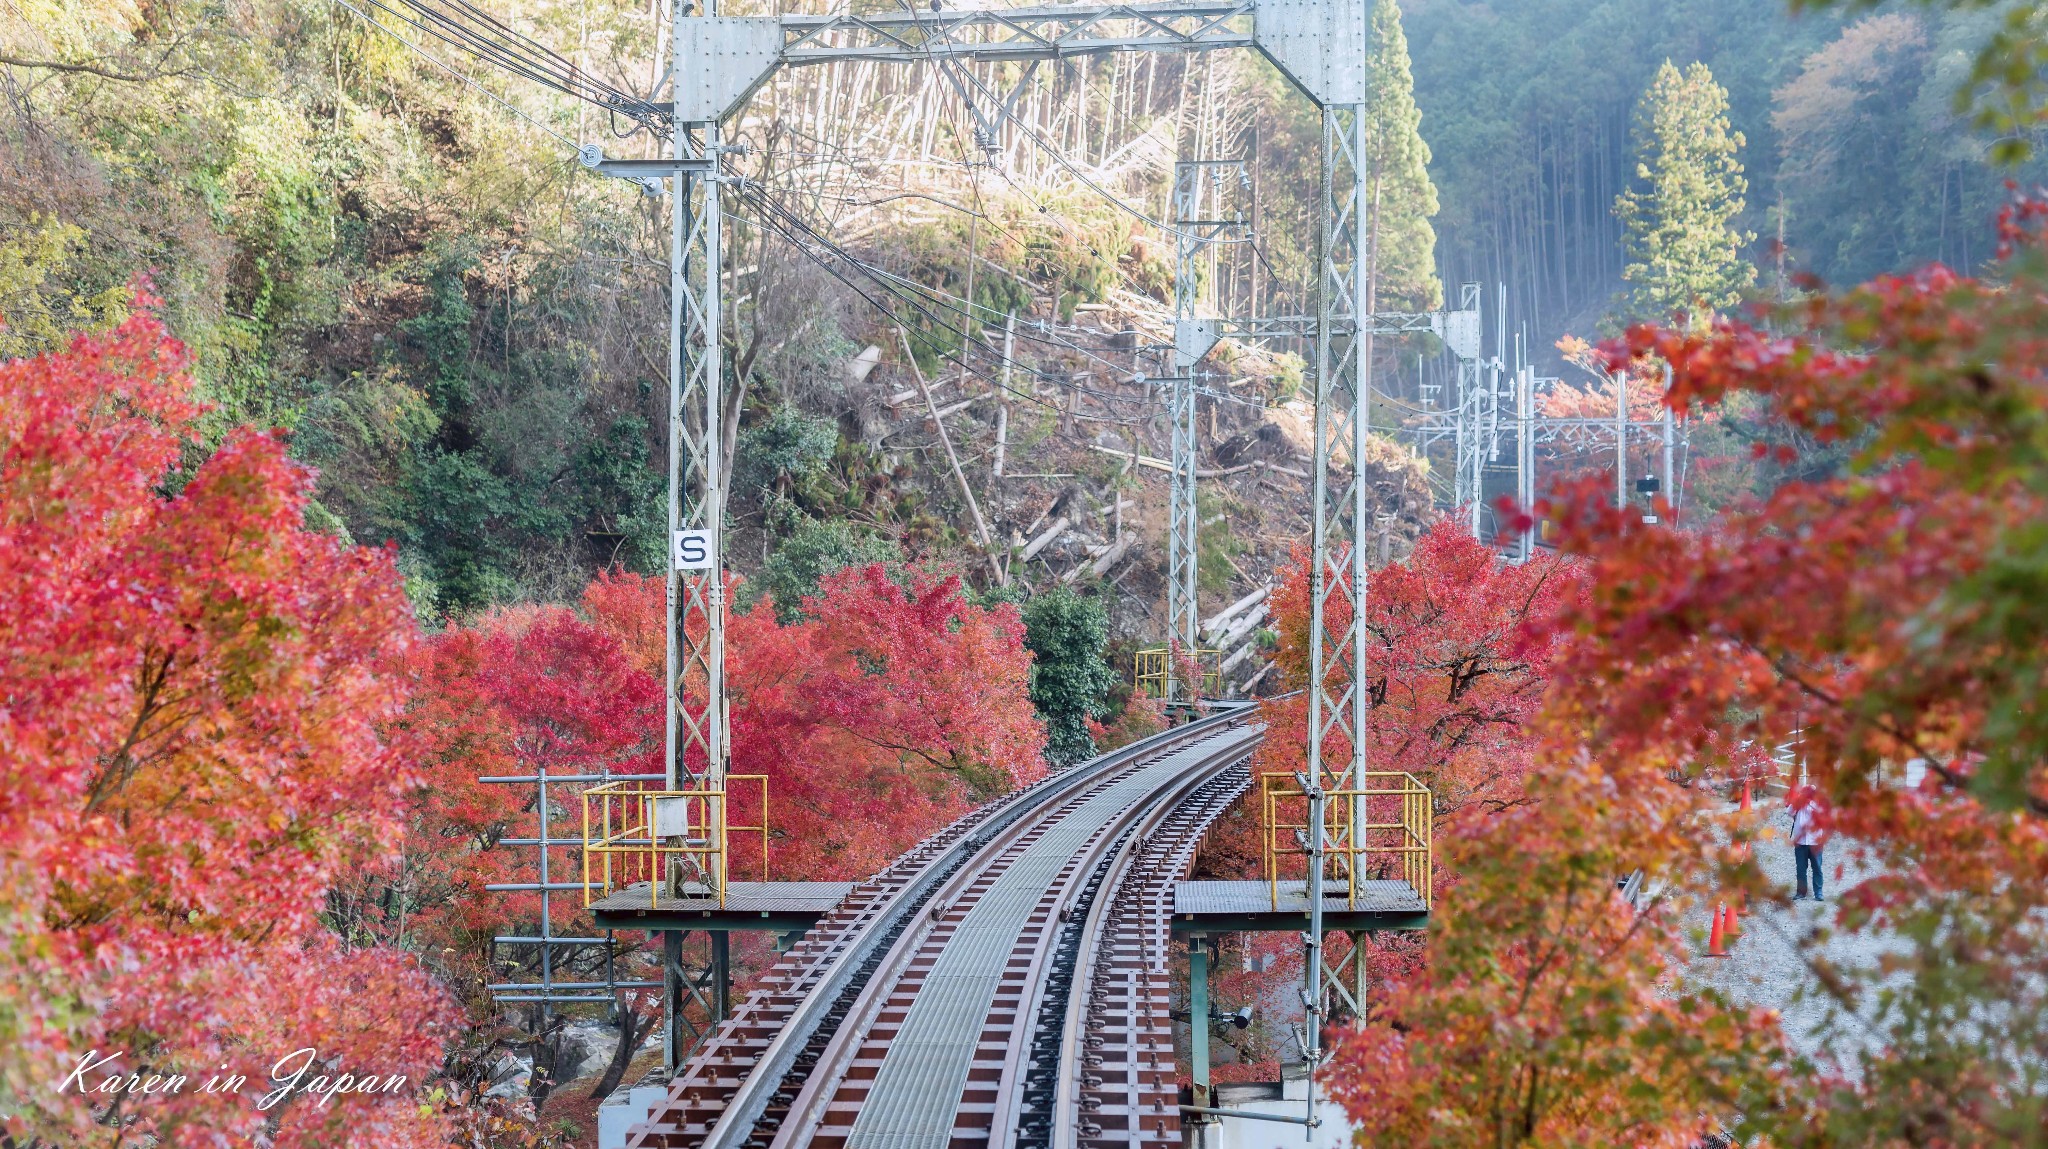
x: 1402, y: 196
x: 1070, y: 680
x: 1684, y: 248
x: 786, y: 449
x: 813, y: 549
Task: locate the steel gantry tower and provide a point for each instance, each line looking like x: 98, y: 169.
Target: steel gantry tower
x: 1321, y: 45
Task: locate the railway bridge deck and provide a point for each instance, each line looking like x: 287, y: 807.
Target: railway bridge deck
x: 1006, y: 982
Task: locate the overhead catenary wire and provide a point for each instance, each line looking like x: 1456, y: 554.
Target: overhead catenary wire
x: 466, y: 80
x: 470, y: 29
x: 465, y: 26
x: 930, y: 301
x: 911, y: 330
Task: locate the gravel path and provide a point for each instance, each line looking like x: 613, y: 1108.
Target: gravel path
x: 1766, y: 965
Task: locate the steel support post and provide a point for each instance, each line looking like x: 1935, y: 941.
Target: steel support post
x: 698, y: 723
x: 708, y: 988
x: 1670, y: 492
x: 1525, y: 457
x: 1337, y: 578
x: 1621, y: 440
x: 1198, y: 1018
x: 1181, y: 540
x: 1192, y: 340
x: 1483, y: 378
x: 721, y: 976
x: 679, y: 1036
x: 695, y: 738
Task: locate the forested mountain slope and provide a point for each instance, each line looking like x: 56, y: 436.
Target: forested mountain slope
x: 1849, y: 120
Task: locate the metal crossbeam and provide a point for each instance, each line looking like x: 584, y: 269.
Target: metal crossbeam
x: 1303, y: 326
x: 1040, y: 33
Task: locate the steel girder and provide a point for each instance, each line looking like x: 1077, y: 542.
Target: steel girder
x: 1037, y: 33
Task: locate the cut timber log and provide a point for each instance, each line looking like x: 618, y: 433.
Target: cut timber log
x: 860, y: 366
x: 1043, y: 541
x: 946, y: 441
x: 1243, y: 626
x: 1002, y: 437
x: 1221, y: 618
x: 1200, y: 472
x: 1237, y: 656
x: 956, y: 408
x: 1105, y: 562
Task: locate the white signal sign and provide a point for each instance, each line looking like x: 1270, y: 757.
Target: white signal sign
x: 691, y: 551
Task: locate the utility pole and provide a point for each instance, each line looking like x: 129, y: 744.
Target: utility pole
x: 1194, y: 336
x: 1525, y: 456
x: 1621, y: 439
x: 696, y: 745
x: 1670, y: 494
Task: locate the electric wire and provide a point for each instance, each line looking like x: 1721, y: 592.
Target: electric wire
x: 466, y: 80
x: 929, y: 298
x: 916, y: 333
x: 466, y: 27
x: 470, y: 29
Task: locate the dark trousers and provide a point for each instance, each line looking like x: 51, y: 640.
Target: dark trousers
x: 1806, y: 858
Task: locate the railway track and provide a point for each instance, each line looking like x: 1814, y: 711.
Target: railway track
x: 1003, y: 983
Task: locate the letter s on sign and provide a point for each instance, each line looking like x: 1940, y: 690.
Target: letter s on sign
x: 692, y: 550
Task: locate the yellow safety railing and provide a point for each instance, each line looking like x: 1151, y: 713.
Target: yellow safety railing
x: 1381, y: 830
x: 630, y: 834
x: 1153, y: 666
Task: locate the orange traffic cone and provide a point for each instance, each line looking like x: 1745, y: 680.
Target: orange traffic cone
x: 1715, y: 944
x: 1734, y: 921
x: 1745, y: 796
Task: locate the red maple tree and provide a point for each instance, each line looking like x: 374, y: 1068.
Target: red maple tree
x: 1454, y: 671
x: 1457, y: 665
x: 190, y: 697
x: 884, y: 712
x: 1889, y: 613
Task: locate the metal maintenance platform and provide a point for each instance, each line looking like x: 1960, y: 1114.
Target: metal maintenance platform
x: 1248, y: 907
x: 1198, y: 907
x: 780, y: 906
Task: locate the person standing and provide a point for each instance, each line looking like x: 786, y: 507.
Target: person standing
x: 1809, y: 833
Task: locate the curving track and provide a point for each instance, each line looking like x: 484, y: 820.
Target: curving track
x: 1004, y: 983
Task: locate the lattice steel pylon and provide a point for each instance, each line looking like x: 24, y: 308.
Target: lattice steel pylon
x: 1337, y: 699
x: 1193, y: 337
x: 696, y: 742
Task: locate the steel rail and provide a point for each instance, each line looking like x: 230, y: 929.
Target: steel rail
x: 1110, y: 864
x: 810, y: 1115
x: 1127, y: 933
x: 730, y: 1084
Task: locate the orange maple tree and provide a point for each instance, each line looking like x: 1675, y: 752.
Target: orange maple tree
x: 191, y: 686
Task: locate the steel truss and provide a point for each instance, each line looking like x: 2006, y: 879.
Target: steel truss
x: 1321, y: 45
x: 698, y: 724
x: 1492, y: 407
x: 1040, y: 33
